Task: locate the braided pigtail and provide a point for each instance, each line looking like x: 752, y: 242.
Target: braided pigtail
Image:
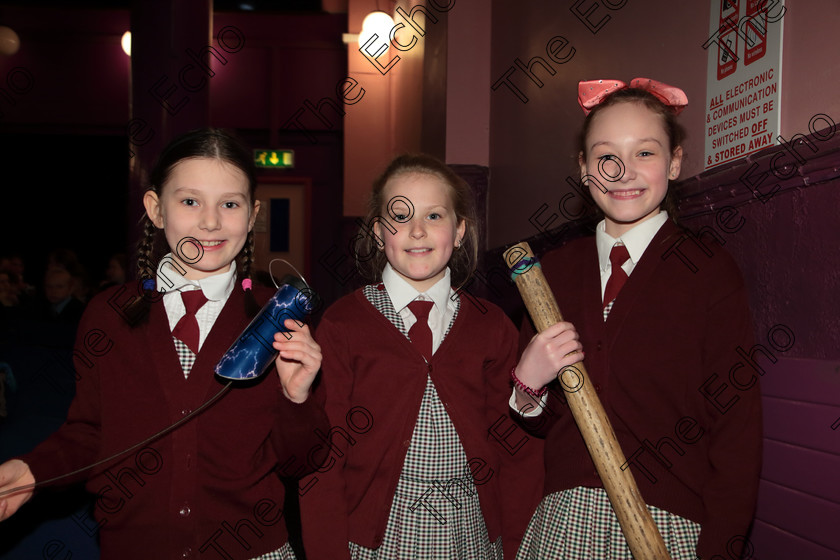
x: 212, y: 143
x: 138, y: 309
x: 246, y: 263
x: 146, y: 269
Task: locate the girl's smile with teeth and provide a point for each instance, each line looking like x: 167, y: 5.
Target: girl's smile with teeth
x: 627, y: 144
x: 204, y: 196
x: 625, y: 194
x: 429, y: 219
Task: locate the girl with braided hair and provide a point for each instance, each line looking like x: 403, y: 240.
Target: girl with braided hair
x: 207, y: 488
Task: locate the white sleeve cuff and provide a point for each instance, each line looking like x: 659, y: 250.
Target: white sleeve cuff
x: 536, y: 411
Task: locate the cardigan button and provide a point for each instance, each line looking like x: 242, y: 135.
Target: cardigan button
x: 187, y: 553
x: 185, y: 411
x: 597, y: 388
x: 184, y: 511
x: 598, y: 345
x: 406, y: 443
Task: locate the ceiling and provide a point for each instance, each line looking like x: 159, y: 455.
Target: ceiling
x: 218, y: 5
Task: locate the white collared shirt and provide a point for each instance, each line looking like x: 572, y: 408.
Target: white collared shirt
x: 402, y: 293
x: 216, y: 288
x: 636, y: 240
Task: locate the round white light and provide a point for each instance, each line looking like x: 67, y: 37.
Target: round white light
x: 126, y: 43
x: 9, y: 41
x: 379, y: 23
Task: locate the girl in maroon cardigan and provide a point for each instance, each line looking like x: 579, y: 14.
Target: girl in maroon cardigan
x: 208, y: 488
x: 424, y: 460
x: 665, y: 355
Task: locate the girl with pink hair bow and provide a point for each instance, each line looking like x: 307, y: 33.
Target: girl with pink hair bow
x: 662, y: 317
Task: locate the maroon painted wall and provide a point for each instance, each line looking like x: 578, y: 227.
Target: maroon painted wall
x: 532, y: 143
x: 77, y: 81
x: 79, y: 73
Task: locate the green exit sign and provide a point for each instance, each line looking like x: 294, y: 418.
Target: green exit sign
x: 274, y: 158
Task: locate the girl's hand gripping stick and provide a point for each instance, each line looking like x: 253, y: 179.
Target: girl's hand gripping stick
x: 249, y: 356
x: 638, y: 527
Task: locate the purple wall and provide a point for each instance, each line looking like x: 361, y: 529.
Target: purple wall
x: 787, y: 246
x: 799, y: 498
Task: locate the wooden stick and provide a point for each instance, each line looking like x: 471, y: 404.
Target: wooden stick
x: 636, y: 522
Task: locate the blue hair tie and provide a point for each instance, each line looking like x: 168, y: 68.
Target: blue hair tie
x: 522, y: 267
x: 148, y: 284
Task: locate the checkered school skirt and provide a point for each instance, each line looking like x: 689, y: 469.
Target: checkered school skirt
x: 285, y: 552
x: 435, y: 512
x: 580, y: 523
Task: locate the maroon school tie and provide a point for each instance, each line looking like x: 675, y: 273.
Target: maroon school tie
x: 618, y: 256
x: 420, y: 333
x: 187, y: 328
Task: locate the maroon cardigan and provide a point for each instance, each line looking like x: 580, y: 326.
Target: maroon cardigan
x: 374, y: 380
x: 669, y: 345
x: 202, y: 491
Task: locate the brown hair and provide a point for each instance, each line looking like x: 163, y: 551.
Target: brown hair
x: 673, y: 129
x: 211, y: 143
x: 371, y: 260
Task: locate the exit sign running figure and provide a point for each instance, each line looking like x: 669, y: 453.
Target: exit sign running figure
x: 274, y: 158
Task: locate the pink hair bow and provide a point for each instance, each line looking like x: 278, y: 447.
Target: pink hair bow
x: 593, y: 92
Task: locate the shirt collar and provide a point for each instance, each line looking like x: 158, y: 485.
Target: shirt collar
x: 216, y: 288
x: 636, y: 239
x: 402, y: 293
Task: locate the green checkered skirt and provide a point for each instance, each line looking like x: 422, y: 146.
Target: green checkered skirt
x: 580, y: 524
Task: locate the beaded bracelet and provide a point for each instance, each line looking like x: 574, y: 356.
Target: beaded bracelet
x: 524, y: 388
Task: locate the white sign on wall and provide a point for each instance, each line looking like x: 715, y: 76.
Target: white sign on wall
x: 743, y: 78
